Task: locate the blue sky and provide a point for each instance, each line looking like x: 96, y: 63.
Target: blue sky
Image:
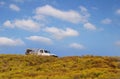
x: 65, y: 27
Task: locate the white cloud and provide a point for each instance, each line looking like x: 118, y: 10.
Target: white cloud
x: 84, y: 12
x: 77, y: 46
x: 4, y: 41
x: 60, y: 33
x: 89, y: 26
x: 70, y: 16
x: 40, y: 39
x: 26, y: 24
x: 83, y: 9
x: 2, y: 3
x: 106, y: 21
x: 39, y: 17
x: 8, y: 24
x: 118, y: 11
x: 117, y: 43
x: 14, y: 7
x: 94, y: 8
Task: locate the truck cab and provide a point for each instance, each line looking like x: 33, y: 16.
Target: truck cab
x: 40, y: 52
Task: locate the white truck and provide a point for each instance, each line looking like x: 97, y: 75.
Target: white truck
x: 40, y: 52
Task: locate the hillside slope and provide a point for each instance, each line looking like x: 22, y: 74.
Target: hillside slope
x: 74, y: 67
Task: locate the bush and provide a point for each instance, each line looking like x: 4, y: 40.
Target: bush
x: 72, y: 67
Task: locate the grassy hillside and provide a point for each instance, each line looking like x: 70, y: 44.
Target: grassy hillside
x: 74, y: 67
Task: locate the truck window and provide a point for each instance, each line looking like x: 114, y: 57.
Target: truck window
x: 41, y: 51
x: 47, y: 51
x: 28, y: 51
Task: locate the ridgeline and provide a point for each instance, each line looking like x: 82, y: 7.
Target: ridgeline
x: 71, y: 67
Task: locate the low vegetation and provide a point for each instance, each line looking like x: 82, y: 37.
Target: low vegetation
x: 72, y: 67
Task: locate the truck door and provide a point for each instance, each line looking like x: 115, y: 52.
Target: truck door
x: 41, y: 52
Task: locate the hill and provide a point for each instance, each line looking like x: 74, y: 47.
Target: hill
x: 72, y: 67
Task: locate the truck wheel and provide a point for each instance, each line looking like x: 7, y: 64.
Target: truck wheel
x: 54, y: 56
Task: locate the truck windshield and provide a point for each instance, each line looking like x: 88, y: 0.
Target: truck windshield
x: 47, y: 51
